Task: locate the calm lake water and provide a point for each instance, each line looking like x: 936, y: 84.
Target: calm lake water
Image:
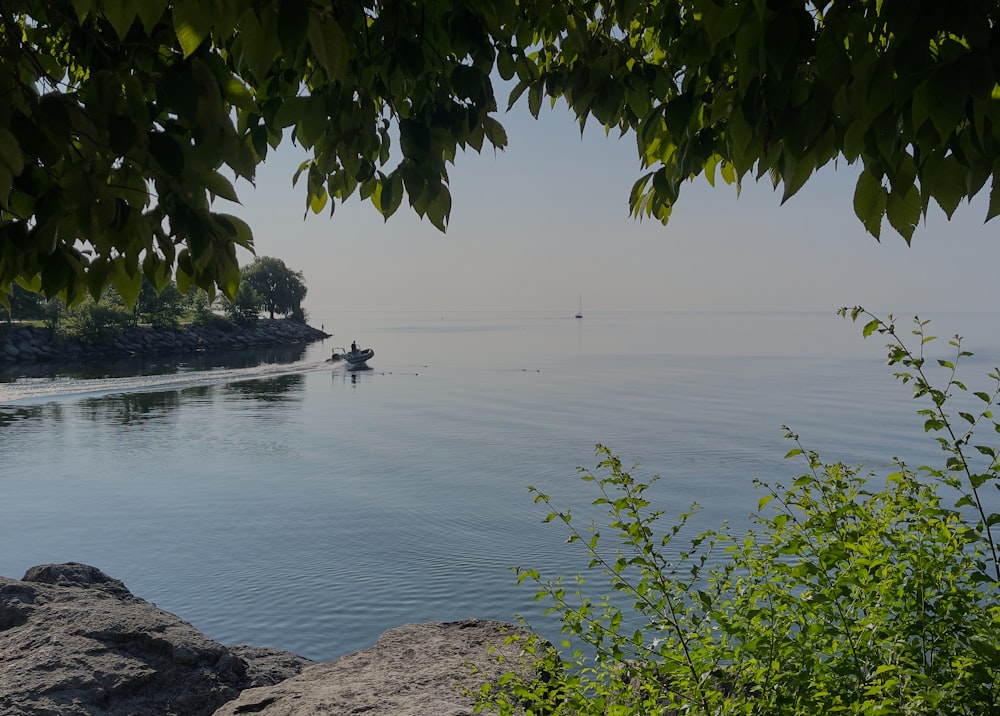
x: 276, y: 499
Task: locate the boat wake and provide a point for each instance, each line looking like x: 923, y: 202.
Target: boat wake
x: 32, y: 390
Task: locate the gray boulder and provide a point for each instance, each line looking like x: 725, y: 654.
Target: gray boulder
x: 413, y: 670
x: 75, y: 641
x: 267, y: 666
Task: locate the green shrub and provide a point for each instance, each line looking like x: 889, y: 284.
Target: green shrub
x: 851, y: 594
x: 299, y: 315
x: 53, y: 311
x: 161, y: 309
x: 246, y: 308
x: 213, y: 320
x: 204, y: 311
x: 95, y: 323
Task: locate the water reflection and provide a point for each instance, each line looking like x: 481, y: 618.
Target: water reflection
x: 269, y: 389
x: 247, y: 358
x: 203, y: 370
x: 352, y: 377
x: 144, y: 365
x: 130, y: 409
x: 13, y: 414
x: 139, y: 408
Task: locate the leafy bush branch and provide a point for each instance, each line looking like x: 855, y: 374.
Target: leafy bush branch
x: 962, y: 472
x: 850, y: 593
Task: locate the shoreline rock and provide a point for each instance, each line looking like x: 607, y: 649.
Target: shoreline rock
x: 31, y: 344
x: 76, y: 641
x: 412, y: 670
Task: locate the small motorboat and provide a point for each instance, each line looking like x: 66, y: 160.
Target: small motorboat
x: 357, y: 359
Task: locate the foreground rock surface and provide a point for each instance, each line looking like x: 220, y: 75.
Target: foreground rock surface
x: 413, y: 670
x: 75, y: 641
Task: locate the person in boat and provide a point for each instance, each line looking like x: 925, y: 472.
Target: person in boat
x: 354, y: 346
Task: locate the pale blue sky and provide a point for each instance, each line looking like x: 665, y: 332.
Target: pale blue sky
x: 547, y: 219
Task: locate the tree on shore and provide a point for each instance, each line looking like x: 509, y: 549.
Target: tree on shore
x: 245, y: 308
x: 123, y: 122
x: 164, y: 308
x: 96, y: 320
x: 279, y: 288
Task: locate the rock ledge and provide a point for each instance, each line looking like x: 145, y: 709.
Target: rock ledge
x: 75, y: 641
x: 26, y: 344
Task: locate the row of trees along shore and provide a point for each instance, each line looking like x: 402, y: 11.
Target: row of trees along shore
x: 122, y: 122
x: 267, y: 286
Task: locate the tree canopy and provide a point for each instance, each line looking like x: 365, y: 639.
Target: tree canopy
x: 123, y: 121
x: 279, y: 288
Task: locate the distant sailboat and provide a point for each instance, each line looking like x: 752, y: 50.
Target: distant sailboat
x: 579, y: 314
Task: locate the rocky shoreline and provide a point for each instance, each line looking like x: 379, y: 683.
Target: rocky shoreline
x: 74, y: 641
x: 31, y: 344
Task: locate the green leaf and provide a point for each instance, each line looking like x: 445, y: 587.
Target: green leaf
x: 947, y: 93
x: 780, y: 39
x: 190, y: 25
x: 388, y: 195
x: 870, y: 202
x: 439, y: 210
x: 83, y: 8
x: 183, y: 276
x: 506, y: 65
x: 258, y: 43
x: 291, y: 111
x: 126, y: 281
x: 121, y: 14
x: 535, y: 100
x: 677, y: 114
x: 945, y: 179
x: 495, y: 132
x: 10, y: 152
x: 293, y: 26
x: 317, y: 200
x: 515, y: 94
x: 994, y: 208
x: 328, y: 42
x: 150, y: 12
x: 313, y: 123
x: 721, y: 21
x: 795, y: 173
x: 97, y: 278
x: 166, y: 152
x: 239, y: 230
x: 6, y: 182
x: 903, y: 211
x: 854, y: 140
x: 728, y: 172
x: 219, y: 186
x: 414, y: 140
